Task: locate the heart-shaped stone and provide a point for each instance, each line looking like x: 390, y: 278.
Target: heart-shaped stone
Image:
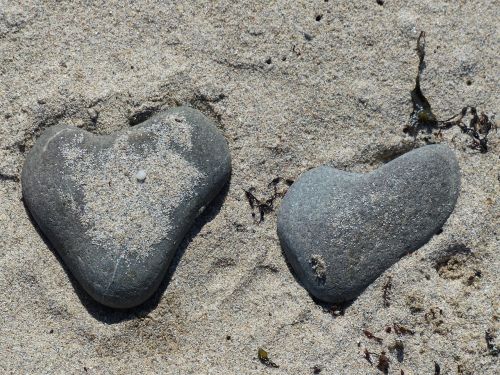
x: 117, y: 207
x: 341, y: 230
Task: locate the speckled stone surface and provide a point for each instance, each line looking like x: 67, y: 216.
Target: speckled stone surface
x: 341, y: 230
x: 116, y: 207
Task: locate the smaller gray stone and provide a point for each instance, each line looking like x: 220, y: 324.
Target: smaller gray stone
x: 341, y: 230
x: 116, y: 207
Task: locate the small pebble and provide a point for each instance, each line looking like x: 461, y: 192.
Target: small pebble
x: 141, y: 175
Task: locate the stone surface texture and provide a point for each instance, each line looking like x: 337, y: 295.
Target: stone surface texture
x: 341, y: 230
x: 342, y: 95
x: 117, y: 207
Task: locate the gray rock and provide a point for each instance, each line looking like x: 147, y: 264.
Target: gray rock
x: 341, y: 230
x: 117, y: 207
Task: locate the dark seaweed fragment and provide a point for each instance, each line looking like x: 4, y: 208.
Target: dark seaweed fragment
x: 372, y: 336
x: 386, y: 294
x: 437, y: 369
x: 400, y: 330
x: 368, y: 356
x: 383, y: 363
x: 478, y: 128
x: 264, y: 358
x: 422, y: 117
x: 266, y: 205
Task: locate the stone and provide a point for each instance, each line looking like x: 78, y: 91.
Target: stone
x: 340, y: 230
x: 116, y: 207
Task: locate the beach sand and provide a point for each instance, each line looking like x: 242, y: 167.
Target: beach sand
x: 291, y: 85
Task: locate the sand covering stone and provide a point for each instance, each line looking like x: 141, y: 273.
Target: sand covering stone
x: 122, y: 214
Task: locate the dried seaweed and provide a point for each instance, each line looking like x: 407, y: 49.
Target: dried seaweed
x: 368, y: 356
x: 264, y: 358
x: 383, y: 363
x: 478, y: 128
x: 400, y: 330
x: 422, y: 116
x: 437, y: 369
x: 386, y: 294
x: 423, y: 119
x: 372, y: 336
x: 264, y: 206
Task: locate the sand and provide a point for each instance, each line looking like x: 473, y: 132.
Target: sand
x: 289, y: 92
x: 132, y: 214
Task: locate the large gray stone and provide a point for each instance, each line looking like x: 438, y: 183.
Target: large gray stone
x: 341, y: 230
x: 117, y: 207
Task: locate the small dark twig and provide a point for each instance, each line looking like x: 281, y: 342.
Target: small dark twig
x: 383, y: 363
x: 372, y: 336
x: 400, y: 330
x: 368, y: 357
x: 264, y: 206
x: 386, y: 294
x: 422, y: 117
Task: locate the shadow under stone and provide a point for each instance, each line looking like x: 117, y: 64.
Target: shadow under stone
x: 109, y: 315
